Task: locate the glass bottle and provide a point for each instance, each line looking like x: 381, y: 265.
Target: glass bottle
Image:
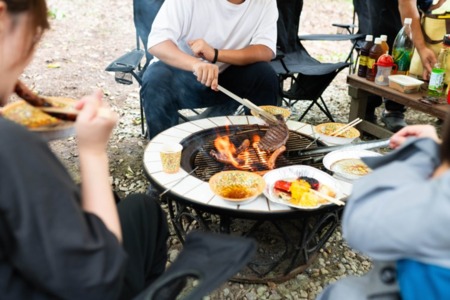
x: 403, y: 47
x: 364, y: 55
x: 375, y: 52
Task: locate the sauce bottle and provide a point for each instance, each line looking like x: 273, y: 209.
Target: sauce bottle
x: 375, y: 52
x: 384, y: 43
x: 364, y: 55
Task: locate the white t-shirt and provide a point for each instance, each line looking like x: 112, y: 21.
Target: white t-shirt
x: 222, y: 24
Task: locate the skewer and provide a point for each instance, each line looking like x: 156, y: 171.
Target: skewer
x: 346, y: 127
x: 328, y: 198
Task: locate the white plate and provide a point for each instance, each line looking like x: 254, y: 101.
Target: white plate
x: 293, y: 172
x: 331, y: 158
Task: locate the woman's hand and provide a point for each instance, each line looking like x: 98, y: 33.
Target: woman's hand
x: 428, y: 59
x: 94, y: 123
x: 417, y: 131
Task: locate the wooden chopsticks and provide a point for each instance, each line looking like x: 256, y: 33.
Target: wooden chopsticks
x: 328, y: 198
x: 346, y: 127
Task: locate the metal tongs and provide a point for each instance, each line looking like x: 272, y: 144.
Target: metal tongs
x: 247, y: 103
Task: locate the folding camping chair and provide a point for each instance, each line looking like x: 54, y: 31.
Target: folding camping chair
x: 132, y: 64
x: 308, y: 77
x: 210, y: 258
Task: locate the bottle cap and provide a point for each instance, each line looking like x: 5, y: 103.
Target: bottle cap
x: 383, y: 37
x: 385, y: 60
x: 377, y: 41
x: 447, y: 40
x: 369, y: 38
x: 407, y: 21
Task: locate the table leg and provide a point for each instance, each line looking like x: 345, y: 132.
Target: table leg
x: 358, y: 107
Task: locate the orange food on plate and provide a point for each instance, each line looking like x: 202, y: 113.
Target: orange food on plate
x: 27, y: 115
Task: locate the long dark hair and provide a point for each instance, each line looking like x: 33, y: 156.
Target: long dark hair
x: 445, y: 146
x: 37, y: 10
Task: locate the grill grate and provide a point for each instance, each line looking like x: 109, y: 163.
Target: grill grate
x: 197, y: 146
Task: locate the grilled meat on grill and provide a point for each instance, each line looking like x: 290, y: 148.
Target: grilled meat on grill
x: 275, y: 137
x: 273, y: 157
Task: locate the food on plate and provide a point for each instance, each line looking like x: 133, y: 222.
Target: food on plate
x: 299, y: 191
x: 354, y: 166
x: 23, y: 113
x: 236, y: 191
x: 329, y: 128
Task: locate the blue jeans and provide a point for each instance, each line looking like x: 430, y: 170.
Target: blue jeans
x: 166, y: 89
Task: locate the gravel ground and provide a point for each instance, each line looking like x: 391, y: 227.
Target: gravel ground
x: 87, y: 35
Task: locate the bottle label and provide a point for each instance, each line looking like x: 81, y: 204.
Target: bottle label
x: 370, y: 62
x: 362, y: 60
x: 402, y: 58
x: 436, y: 81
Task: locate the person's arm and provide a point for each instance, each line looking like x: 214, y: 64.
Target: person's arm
x: 398, y: 211
x: 93, y: 131
x: 417, y: 131
x: 408, y: 9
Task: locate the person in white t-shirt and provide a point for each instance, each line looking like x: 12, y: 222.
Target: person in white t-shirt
x: 198, y: 44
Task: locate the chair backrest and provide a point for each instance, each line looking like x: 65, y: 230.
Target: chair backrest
x: 288, y: 24
x: 144, y: 13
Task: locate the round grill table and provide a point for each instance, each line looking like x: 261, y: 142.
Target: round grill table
x: 289, y: 239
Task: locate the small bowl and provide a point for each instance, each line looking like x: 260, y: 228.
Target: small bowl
x: 274, y: 110
x: 237, y: 186
x: 325, y: 129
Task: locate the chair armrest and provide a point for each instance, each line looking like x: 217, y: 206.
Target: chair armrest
x: 127, y: 62
x: 331, y: 37
x: 345, y: 26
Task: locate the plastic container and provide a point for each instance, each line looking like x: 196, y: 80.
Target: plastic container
x: 375, y: 52
x: 384, y: 67
x: 364, y: 55
x: 405, y: 84
x: 403, y: 47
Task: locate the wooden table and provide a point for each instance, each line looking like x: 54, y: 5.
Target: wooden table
x: 360, y: 89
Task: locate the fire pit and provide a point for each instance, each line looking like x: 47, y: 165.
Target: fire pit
x: 197, y: 150
x: 288, y: 239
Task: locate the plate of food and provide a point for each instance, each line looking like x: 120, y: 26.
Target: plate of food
x: 325, y: 131
x: 347, y: 164
x: 274, y: 110
x: 37, y: 120
x: 238, y: 187
x: 301, y: 187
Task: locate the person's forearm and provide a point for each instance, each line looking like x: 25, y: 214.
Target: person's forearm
x: 97, y: 196
x: 170, y: 54
x: 245, y: 56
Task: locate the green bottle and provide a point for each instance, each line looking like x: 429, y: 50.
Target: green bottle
x: 437, y: 77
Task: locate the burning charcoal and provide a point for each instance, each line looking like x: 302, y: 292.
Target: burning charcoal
x: 314, y: 183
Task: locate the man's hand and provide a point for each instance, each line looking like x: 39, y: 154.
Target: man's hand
x: 202, y: 49
x: 417, y: 131
x: 207, y: 74
x: 428, y: 59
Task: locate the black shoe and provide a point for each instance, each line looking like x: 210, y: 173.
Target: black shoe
x: 394, y: 120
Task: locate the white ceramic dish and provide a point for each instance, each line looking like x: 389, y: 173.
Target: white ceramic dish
x: 293, y: 172
x: 332, y: 159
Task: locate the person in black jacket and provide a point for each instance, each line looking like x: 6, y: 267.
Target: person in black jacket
x: 57, y: 240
